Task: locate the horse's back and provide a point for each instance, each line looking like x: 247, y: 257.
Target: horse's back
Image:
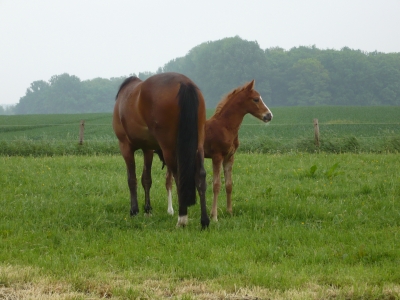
x: 128, y: 122
x: 159, y: 102
x: 147, y: 112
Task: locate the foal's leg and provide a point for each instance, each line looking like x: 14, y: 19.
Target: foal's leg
x: 217, y: 161
x: 168, y: 186
x: 146, y: 178
x: 228, y: 163
x: 201, y: 188
x: 129, y: 156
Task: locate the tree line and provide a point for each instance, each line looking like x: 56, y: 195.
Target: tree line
x: 68, y: 94
x: 299, y: 76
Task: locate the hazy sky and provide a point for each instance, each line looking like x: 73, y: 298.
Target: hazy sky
x: 112, y: 38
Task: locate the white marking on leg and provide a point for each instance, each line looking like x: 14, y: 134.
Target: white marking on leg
x: 182, y: 221
x: 170, y: 208
x: 215, y: 219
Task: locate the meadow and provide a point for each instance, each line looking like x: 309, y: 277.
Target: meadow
x: 342, y: 129
x: 304, y: 226
x: 307, y: 223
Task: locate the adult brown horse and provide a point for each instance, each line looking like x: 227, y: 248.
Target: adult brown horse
x: 164, y: 113
x: 221, y: 140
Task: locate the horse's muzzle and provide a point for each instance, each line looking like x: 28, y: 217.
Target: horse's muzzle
x: 267, y: 117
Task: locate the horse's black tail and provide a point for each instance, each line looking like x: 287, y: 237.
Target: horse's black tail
x: 187, y: 142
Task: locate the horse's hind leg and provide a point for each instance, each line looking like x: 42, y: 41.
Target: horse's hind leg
x: 201, y: 188
x: 168, y: 186
x: 146, y: 178
x: 170, y: 161
x: 129, y: 157
x: 228, y: 182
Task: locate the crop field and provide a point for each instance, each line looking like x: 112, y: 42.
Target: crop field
x: 304, y: 226
x: 342, y: 129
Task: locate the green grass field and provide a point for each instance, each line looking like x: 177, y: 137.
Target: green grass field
x: 308, y: 223
x: 305, y: 226
x: 343, y: 129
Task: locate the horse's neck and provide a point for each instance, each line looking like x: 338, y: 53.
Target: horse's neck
x: 231, y: 117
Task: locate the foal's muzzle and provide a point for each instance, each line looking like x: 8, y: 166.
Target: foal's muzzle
x: 267, y: 117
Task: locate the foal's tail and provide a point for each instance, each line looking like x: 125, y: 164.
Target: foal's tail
x: 187, y: 142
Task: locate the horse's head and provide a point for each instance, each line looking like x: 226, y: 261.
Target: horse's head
x: 255, y: 105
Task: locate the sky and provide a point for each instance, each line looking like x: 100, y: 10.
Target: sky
x: 113, y: 38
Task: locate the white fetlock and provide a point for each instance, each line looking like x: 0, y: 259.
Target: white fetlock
x: 170, y: 208
x: 214, y: 215
x: 182, y: 221
x: 170, y: 211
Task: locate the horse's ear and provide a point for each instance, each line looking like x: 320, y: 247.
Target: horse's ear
x: 250, y: 86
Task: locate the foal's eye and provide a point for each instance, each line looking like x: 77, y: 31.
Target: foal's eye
x: 256, y: 99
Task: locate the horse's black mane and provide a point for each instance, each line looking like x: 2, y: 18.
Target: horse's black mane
x: 125, y: 83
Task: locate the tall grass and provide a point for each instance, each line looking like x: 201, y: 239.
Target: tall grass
x: 304, y: 227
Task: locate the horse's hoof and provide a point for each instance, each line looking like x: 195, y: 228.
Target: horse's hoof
x: 171, y: 211
x: 134, y: 212
x: 205, y: 223
x: 182, y: 221
x: 147, y: 209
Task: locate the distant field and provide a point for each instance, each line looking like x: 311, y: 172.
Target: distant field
x: 343, y: 129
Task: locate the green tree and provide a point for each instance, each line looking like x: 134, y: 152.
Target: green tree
x: 309, y: 85
x: 303, y: 75
x: 68, y: 94
x: 36, y: 95
x: 219, y: 67
x: 98, y: 94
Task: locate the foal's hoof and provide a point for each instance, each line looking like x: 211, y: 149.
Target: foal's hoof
x: 214, y: 217
x: 134, y: 212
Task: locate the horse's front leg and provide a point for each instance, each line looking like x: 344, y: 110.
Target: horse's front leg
x: 129, y: 157
x: 201, y: 185
x: 168, y: 186
x: 146, y: 179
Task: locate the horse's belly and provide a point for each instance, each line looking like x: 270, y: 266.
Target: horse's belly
x: 140, y: 137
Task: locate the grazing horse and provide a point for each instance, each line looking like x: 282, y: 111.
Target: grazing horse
x: 165, y: 113
x: 221, y: 140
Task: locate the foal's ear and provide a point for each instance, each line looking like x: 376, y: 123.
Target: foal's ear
x: 250, y: 86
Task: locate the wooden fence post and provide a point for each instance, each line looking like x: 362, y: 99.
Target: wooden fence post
x: 316, y: 132
x: 81, y: 131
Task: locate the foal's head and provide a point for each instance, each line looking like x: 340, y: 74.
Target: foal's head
x: 253, y: 103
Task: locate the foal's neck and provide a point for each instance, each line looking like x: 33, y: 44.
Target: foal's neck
x: 231, y: 115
